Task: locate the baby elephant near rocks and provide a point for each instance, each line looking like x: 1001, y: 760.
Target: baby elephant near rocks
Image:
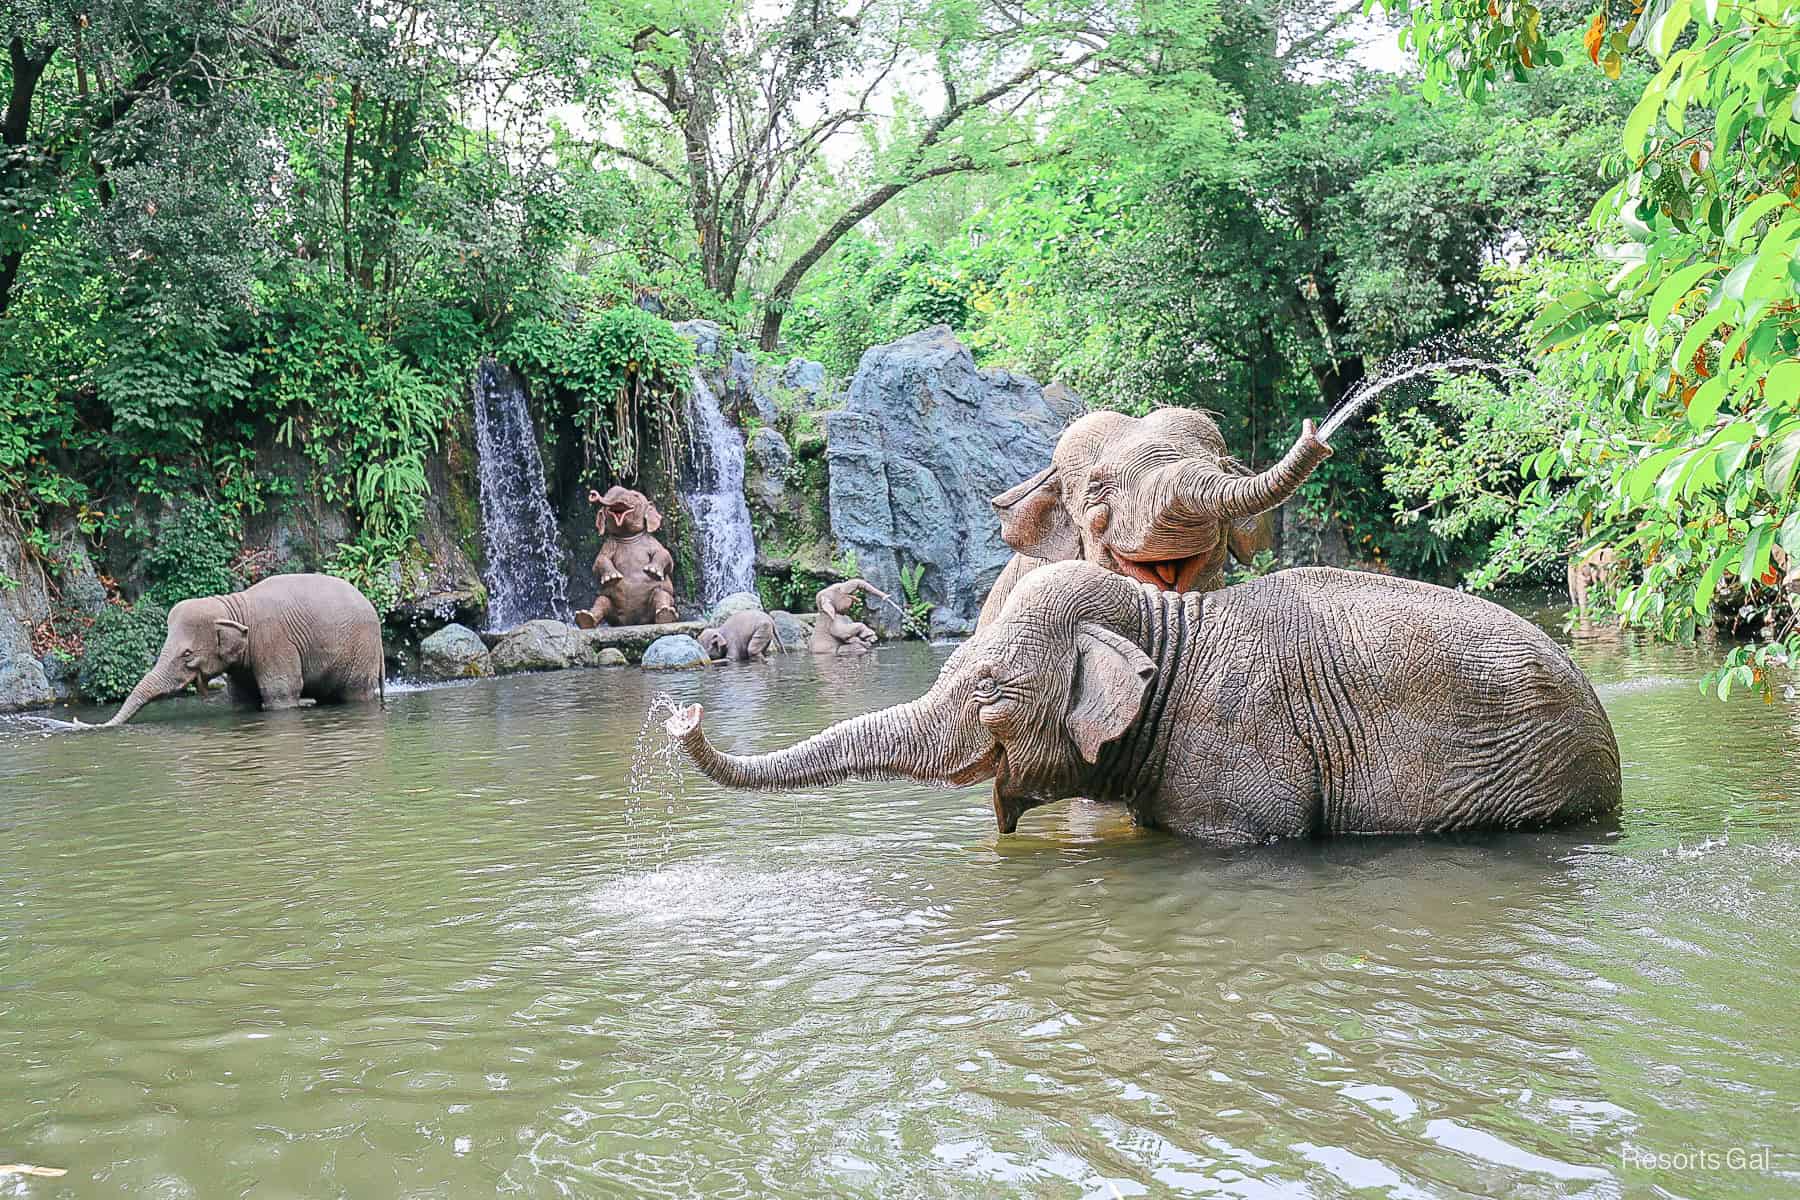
x: 287, y: 639
x: 742, y: 637
x: 633, y: 569
x: 1304, y: 703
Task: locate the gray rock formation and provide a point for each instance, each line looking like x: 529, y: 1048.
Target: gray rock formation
x: 769, y: 458
x: 541, y: 645
x: 33, y: 593
x: 676, y: 652
x: 792, y: 632
x: 923, y: 441
x: 454, y: 652
x: 611, y: 656
x: 735, y: 603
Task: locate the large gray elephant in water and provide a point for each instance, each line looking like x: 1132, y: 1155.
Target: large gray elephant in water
x: 1156, y: 498
x: 1305, y: 703
x: 288, y: 638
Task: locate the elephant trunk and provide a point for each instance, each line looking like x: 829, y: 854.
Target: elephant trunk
x: 893, y: 743
x: 161, y: 680
x: 1204, y: 489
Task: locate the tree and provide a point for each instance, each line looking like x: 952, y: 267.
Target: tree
x: 1679, y: 324
x: 741, y: 106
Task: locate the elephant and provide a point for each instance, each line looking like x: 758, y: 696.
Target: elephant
x: 1306, y: 703
x: 742, y: 637
x: 286, y: 639
x: 1155, y: 498
x: 1595, y: 569
x: 632, y: 568
x: 836, y: 631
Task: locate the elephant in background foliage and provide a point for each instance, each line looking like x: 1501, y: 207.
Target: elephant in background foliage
x: 633, y: 569
x: 287, y: 639
x: 1154, y: 498
x: 1595, y: 569
x: 1305, y: 703
x: 742, y: 637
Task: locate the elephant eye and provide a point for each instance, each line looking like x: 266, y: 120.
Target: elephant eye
x: 986, y: 688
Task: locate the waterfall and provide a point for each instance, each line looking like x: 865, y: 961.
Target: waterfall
x: 525, y: 576
x: 712, y: 491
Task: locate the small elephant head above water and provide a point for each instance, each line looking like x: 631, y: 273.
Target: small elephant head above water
x: 1155, y: 498
x: 1303, y: 703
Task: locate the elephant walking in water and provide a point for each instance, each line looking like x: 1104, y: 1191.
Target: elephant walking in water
x: 1305, y: 703
x: 287, y: 639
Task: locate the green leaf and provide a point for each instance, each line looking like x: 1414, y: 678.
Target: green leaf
x: 1782, y: 383
x: 1696, y: 336
x: 1674, y: 288
x: 1668, y: 27
x: 1709, y: 583
x: 1756, y: 553
x: 1781, y: 457
x: 1705, y: 404
x: 1744, y: 224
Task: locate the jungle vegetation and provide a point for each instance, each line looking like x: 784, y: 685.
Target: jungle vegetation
x: 231, y: 231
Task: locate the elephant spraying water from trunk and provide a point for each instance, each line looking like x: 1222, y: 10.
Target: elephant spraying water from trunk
x: 1306, y: 703
x: 1155, y: 498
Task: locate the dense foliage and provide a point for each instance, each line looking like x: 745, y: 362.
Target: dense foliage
x: 1672, y: 328
x: 119, y: 647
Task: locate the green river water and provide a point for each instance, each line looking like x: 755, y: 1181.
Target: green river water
x: 445, y: 951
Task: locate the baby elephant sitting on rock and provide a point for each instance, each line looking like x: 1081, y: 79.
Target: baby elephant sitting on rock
x: 744, y: 636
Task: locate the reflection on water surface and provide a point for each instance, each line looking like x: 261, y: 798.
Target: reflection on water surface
x: 445, y: 952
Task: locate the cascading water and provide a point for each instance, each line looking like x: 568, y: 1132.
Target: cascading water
x: 525, y: 574
x: 712, y: 491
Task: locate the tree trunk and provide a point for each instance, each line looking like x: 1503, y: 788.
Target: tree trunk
x: 27, y: 69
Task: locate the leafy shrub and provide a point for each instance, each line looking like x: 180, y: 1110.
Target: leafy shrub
x: 120, y: 647
x: 191, y: 555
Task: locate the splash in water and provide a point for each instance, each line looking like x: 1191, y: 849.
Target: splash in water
x: 1428, y: 359
x: 656, y: 773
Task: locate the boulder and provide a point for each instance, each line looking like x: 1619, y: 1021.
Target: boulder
x: 704, y: 334
x: 675, y: 652
x: 454, y: 652
x: 805, y: 375
x: 540, y: 645
x: 737, y: 602
x: 923, y: 442
x: 611, y: 656
x: 63, y: 673
x: 40, y: 590
x: 769, y: 458
x: 791, y: 632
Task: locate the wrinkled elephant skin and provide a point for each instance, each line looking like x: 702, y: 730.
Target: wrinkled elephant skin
x: 286, y: 639
x: 1305, y: 703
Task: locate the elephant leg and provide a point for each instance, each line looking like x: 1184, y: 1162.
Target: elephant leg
x: 758, y: 645
x: 663, y: 601
x: 598, y: 614
x: 242, y: 692
x: 280, y: 678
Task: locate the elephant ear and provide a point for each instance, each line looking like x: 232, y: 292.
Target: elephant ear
x: 234, y: 640
x: 1112, y: 677
x: 1033, y: 520
x: 652, y: 517
x: 1248, y: 536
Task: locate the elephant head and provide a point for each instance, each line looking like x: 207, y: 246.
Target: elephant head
x: 1155, y: 498
x: 203, y: 640
x: 625, y: 513
x: 1029, y: 702
x: 713, y: 642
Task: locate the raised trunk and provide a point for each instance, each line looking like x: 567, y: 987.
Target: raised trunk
x: 1204, y: 489
x: 159, y: 681
x: 894, y: 743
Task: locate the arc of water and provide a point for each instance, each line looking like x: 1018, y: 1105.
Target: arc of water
x: 1364, y: 393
